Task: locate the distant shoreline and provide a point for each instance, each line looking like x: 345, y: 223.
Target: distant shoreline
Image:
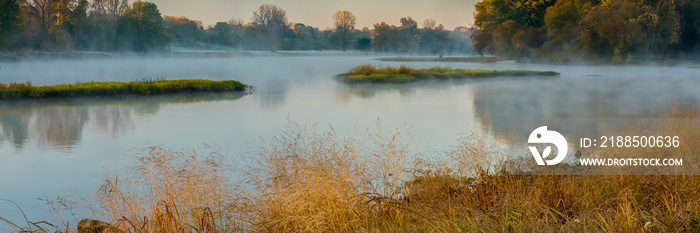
x: 45, y: 55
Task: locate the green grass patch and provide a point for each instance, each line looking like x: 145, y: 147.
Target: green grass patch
x: 402, y: 74
x: 441, y: 59
x: 91, y: 89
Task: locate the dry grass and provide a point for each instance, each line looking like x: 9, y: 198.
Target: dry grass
x: 381, y: 181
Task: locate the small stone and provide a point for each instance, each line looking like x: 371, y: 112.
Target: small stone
x: 92, y: 226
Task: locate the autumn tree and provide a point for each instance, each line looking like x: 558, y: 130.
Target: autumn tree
x: 41, y: 16
x: 184, y: 30
x: 386, y: 37
x: 344, y: 25
x: 271, y: 21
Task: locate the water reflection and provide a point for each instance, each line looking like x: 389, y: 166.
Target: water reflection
x: 370, y: 91
x: 15, y: 127
x: 60, y: 124
x: 115, y: 120
x: 58, y: 127
x: 518, y: 108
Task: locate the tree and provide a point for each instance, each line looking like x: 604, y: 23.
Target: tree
x: 344, y: 25
x: 141, y: 28
x: 433, y: 39
x: 77, y: 18
x: 41, y: 16
x: 186, y: 31
x: 409, y: 33
x: 10, y: 20
x: 222, y: 33
x: 271, y: 21
x: 386, y: 37
x: 110, y: 9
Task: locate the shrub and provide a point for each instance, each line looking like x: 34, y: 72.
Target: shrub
x: 363, y: 70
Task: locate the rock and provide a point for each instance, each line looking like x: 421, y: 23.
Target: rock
x: 92, y: 226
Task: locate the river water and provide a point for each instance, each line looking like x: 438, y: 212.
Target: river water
x: 64, y: 147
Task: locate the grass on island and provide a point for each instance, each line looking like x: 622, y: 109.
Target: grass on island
x: 381, y: 181
x: 26, y: 90
x: 441, y: 59
x: 402, y: 74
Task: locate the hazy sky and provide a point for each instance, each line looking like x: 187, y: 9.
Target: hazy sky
x: 318, y: 13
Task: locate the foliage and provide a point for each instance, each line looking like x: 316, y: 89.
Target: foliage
x: 26, y: 90
x: 185, y: 31
x: 141, y: 28
x: 565, y: 30
x: 10, y: 21
x: 344, y: 24
x: 222, y: 33
x: 371, y: 74
x: 271, y: 21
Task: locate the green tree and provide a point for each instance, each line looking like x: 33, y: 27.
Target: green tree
x: 99, y: 34
x: 561, y: 23
x: 689, y: 24
x: 141, y: 28
x: 10, y: 21
x: 77, y: 18
x: 222, y: 33
x: 271, y: 21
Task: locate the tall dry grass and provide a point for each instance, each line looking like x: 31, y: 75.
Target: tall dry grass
x: 307, y: 180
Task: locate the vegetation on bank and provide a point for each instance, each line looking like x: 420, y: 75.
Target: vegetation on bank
x: 441, y: 59
x: 619, y: 31
x: 402, y: 74
x: 27, y: 91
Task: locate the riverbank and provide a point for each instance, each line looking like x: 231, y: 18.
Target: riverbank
x: 307, y: 180
x: 403, y: 74
x: 95, y: 89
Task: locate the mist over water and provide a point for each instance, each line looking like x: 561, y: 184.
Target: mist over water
x: 69, y: 145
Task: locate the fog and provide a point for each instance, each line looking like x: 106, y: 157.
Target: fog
x: 68, y: 145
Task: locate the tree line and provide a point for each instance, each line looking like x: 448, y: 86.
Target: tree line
x: 116, y: 25
x: 569, y: 30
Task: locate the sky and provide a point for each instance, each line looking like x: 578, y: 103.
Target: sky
x: 318, y: 13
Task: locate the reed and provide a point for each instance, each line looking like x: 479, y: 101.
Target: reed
x: 402, y: 74
x: 147, y: 87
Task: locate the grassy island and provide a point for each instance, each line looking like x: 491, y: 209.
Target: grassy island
x: 442, y: 59
x: 25, y: 90
x: 402, y: 74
